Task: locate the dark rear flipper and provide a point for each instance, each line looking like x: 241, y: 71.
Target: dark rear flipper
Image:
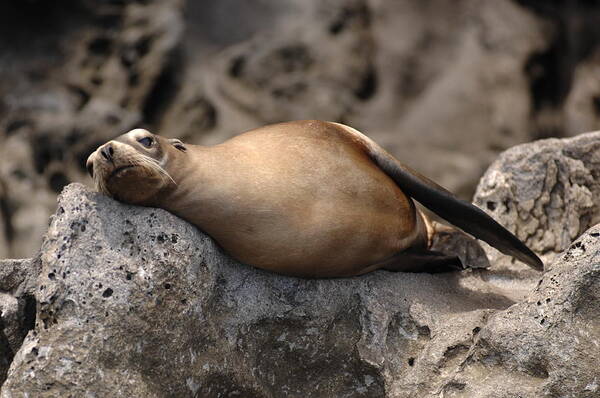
x: 454, y: 241
x: 460, y: 213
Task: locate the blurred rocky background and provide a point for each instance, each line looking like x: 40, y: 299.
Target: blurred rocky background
x: 444, y: 85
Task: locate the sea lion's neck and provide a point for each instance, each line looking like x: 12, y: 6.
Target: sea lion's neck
x: 199, y: 173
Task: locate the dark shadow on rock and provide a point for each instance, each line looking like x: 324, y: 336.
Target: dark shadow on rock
x: 6, y: 353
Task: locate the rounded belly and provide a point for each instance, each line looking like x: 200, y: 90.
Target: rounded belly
x: 334, y: 232
x: 304, y: 204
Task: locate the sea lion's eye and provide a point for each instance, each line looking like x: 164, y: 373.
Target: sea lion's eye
x: 146, y: 141
x: 178, y: 144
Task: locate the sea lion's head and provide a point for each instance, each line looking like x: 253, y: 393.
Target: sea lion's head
x: 133, y: 167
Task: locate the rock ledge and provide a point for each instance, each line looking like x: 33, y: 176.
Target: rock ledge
x: 133, y: 301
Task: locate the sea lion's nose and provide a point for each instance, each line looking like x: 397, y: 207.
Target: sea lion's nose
x: 107, y: 151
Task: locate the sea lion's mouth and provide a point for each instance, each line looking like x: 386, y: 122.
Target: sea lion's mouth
x: 118, y: 171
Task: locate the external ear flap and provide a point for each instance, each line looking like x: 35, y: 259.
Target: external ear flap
x: 178, y: 144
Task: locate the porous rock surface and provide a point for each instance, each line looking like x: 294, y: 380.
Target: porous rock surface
x: 133, y: 301
x: 545, y: 192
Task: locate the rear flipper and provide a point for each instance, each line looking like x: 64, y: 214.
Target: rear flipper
x: 464, y: 215
x: 414, y: 260
x: 452, y: 241
x: 451, y: 250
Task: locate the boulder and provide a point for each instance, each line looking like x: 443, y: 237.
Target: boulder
x: 133, y: 301
x: 547, y: 344
x: 544, y: 192
x: 17, y: 307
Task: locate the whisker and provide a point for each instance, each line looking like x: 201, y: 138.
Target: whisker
x: 154, y: 165
x: 141, y: 160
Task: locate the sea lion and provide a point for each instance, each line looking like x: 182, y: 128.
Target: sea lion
x: 304, y: 198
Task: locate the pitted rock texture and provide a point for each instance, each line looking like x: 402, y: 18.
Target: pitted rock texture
x: 545, y: 192
x: 445, y: 86
x: 17, y: 307
x: 547, y: 345
x: 133, y: 301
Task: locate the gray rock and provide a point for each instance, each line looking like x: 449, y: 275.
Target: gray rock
x: 544, y: 192
x: 133, y: 301
x: 546, y: 345
x: 17, y: 307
